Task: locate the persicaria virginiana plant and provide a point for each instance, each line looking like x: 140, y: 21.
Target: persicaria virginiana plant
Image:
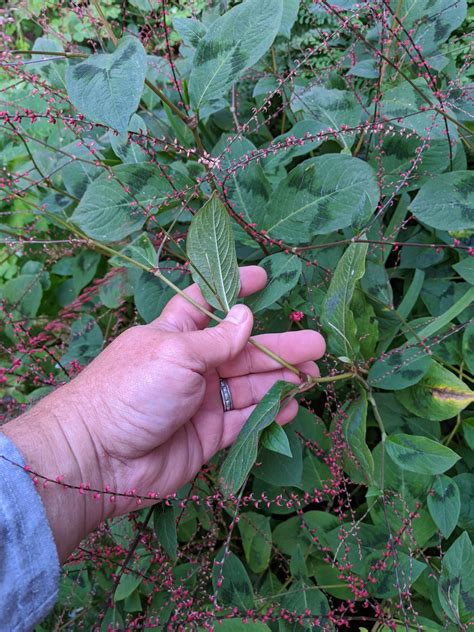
x: 149, y: 143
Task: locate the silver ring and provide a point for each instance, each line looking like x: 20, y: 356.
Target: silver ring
x: 226, y: 396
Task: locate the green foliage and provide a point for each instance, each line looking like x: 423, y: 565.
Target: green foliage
x: 329, y: 143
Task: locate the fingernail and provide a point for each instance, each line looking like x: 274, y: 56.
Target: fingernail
x: 238, y: 314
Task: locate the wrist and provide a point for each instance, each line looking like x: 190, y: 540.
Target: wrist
x: 56, y: 444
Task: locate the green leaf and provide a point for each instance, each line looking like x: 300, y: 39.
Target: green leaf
x: 332, y: 109
x: 444, y: 503
x: 288, y: 18
x: 85, y: 342
x: 274, y: 438
x: 190, y: 30
x: 354, y: 428
x: 130, y: 150
x: 152, y: 294
x: 107, y: 88
x: 446, y: 202
x: 283, y: 272
x: 432, y: 21
x: 465, y: 482
x: 468, y: 431
x: 399, y: 368
x: 131, y: 579
x: 439, y: 395
x: 236, y: 588
x: 302, y: 598
x: 279, y: 469
x: 256, y: 539
x: 321, y: 195
x: 247, y: 188
x: 336, y: 316
x: 211, y: 251
x: 164, y: 523
x: 456, y: 584
x: 233, y: 43
x: 243, y: 454
x: 468, y: 346
x: 113, y: 208
x: 420, y: 454
x: 23, y: 294
x: 466, y: 269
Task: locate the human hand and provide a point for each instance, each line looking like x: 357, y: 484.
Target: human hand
x: 146, y: 414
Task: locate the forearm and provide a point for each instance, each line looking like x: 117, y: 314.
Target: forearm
x: 55, y: 442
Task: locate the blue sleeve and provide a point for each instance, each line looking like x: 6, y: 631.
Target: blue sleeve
x: 29, y: 565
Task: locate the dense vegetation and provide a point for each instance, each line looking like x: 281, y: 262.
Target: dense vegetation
x: 331, y: 143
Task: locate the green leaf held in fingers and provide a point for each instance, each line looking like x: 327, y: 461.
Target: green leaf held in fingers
x: 337, y: 318
x: 321, y: 195
x: 233, y: 43
x: 211, y: 252
x: 439, y: 395
x: 420, y: 454
x: 98, y: 89
x: 243, y: 453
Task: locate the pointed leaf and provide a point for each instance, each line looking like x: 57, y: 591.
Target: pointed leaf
x: 211, y: 250
x: 233, y: 43
x: 107, y: 88
x: 164, y: 523
x: 354, y: 428
x: 236, y: 588
x: 419, y: 454
x: 256, y: 539
x: 321, y: 195
x: 444, y: 503
x: 337, y: 317
x: 439, y: 395
x: 399, y: 368
x: 243, y: 454
x: 283, y: 272
x: 274, y: 438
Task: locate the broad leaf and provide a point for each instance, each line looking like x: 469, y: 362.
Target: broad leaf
x: 400, y: 368
x: 152, y: 294
x: 456, y: 584
x: 420, y: 454
x: 322, y: 195
x: 438, y: 395
x: 107, y: 88
x: 231, y: 581
x: 114, y: 207
x: 283, y: 272
x: 246, y: 185
x: 431, y: 21
x: 446, y: 202
x: 274, y: 439
x: 337, y: 317
x: 303, y: 599
x: 444, y: 503
x: 131, y: 579
x: 233, y: 43
x: 466, y: 269
x: 85, y: 342
x: 23, y: 294
x: 256, y: 540
x: 190, y: 30
x: 164, y: 523
x: 130, y: 150
x: 332, y: 109
x: 288, y: 18
x: 468, y: 346
x: 211, y: 251
x: 280, y: 469
x: 243, y: 453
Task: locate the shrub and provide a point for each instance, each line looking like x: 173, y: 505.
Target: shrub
x: 331, y: 142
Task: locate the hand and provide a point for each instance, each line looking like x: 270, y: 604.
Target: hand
x: 146, y: 414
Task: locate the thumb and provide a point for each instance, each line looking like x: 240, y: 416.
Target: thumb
x: 226, y: 340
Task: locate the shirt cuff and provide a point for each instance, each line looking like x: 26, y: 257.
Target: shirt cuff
x: 29, y: 564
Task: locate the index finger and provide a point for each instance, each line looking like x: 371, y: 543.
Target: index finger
x: 180, y: 315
